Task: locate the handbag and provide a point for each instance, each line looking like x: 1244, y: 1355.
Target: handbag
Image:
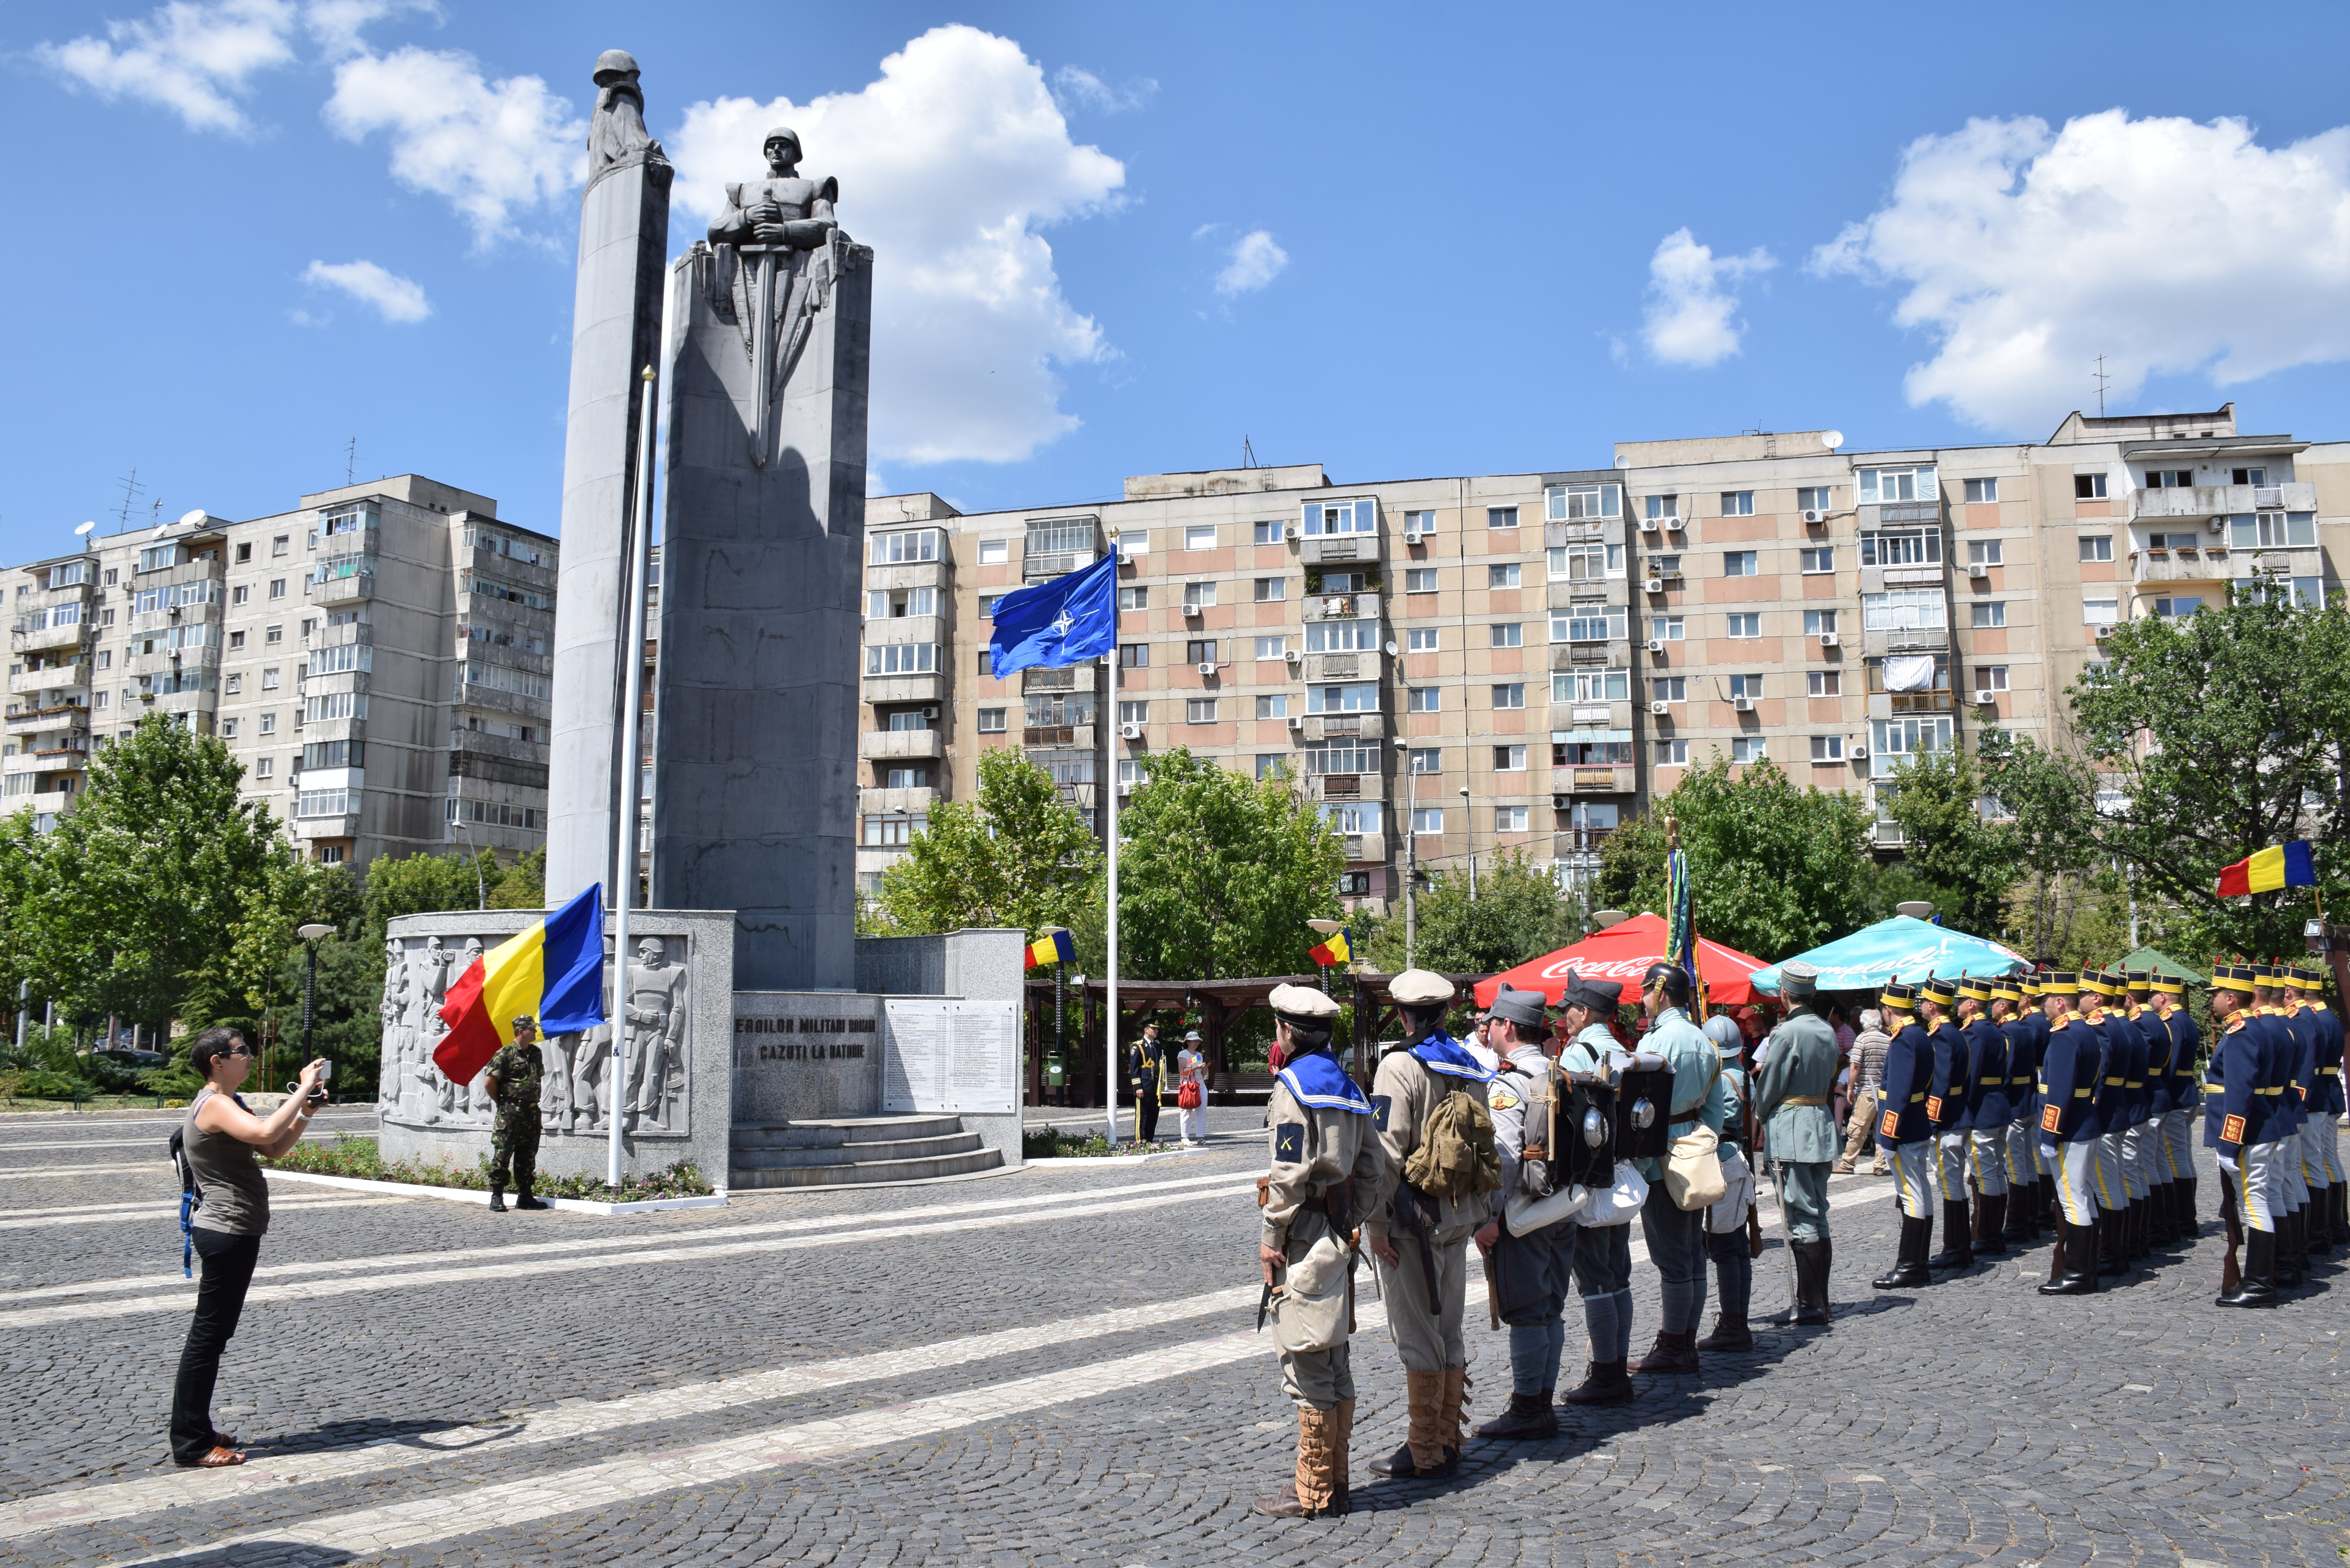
x: 1693, y: 1177
x: 1616, y: 1204
x: 1187, y: 1099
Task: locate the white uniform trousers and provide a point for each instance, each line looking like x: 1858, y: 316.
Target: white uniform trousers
x: 2179, y: 1145
x: 1949, y: 1166
x: 2074, y: 1165
x: 1911, y: 1182
x: 1987, y: 1160
x: 2260, y: 1183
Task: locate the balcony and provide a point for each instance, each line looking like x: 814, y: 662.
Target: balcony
x: 1613, y: 654
x: 2202, y: 501
x: 1339, y: 547
x: 893, y: 688
x: 1906, y: 640
x: 40, y: 639
x: 340, y: 579
x: 1064, y: 678
x: 1612, y: 591
x: 1346, y: 726
x: 907, y: 575
x: 1580, y: 840
x: 896, y: 802
x: 1592, y: 780
x: 915, y: 628
x: 909, y: 745
x: 56, y: 677
x: 1899, y: 515
x: 1059, y: 547
x: 1886, y: 704
x: 1360, y: 665
x: 1340, y: 607
x: 346, y: 826
x: 2198, y: 565
x: 1078, y: 735
x: 1364, y: 848
x: 1346, y: 787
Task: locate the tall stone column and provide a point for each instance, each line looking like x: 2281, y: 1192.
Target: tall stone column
x: 616, y: 330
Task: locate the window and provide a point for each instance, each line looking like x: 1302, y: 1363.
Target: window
x: 1584, y: 563
x: 324, y: 707
x: 994, y: 552
x: 2169, y: 478
x: 111, y: 575
x: 263, y: 767
x: 1668, y: 689
x: 1979, y: 491
x: 1199, y: 536
x: 1990, y: 678
x: 274, y: 636
x: 236, y: 639
x: 269, y: 678
x: 1420, y: 580
x: 1344, y: 582
x: 883, y: 605
x: 1665, y: 509
x: 1428, y: 819
x: 1748, y: 748
x: 1507, y: 634
x: 1423, y: 760
x: 1271, y: 646
x: 1591, y: 686
x: 1364, y: 817
x: 1672, y: 753
x: 2249, y: 476
x: 991, y: 721
x: 227, y: 728
x: 1590, y: 623
x: 907, y: 544
x: 337, y: 660
x: 1134, y: 655
x: 1984, y: 552
x: 1513, y: 695
x: 1420, y: 639
x: 2172, y: 609
x: 276, y: 588
x: 1664, y: 629
x: 1815, y: 498
x: 1324, y: 518
x: 1823, y: 682
x: 1983, y: 617
x: 239, y: 595
x: 898, y: 658
x: 1134, y: 598
x: 1885, y: 486
x: 1818, y: 559
x: 906, y: 778
x: 1420, y: 523
x: 1199, y: 650
x: 1893, y: 742
x: 2098, y: 612
x: 892, y: 832
x: 1356, y: 697
x: 1131, y: 712
x: 2273, y: 530
x: 1574, y: 502
x: 1200, y: 710
x: 1664, y: 566
x: 1422, y: 700
x: 1269, y: 764
x: 1902, y: 547
x: 1738, y: 503
x: 1502, y: 577
x: 1742, y: 564
x: 1509, y: 759
x: 1267, y: 533
x: 1271, y: 590
x: 1354, y: 884
x: 269, y: 723
x: 1747, y: 686
x: 2096, y: 546
x: 1816, y: 622
x: 1827, y: 748
x: 280, y: 544
x: 1276, y: 706
x: 2088, y: 487
x: 1903, y: 609
x: 909, y: 721
x: 1743, y: 625
x: 1198, y: 595
x: 1501, y: 516
x: 1591, y: 749
x: 987, y: 603
x: 1509, y: 819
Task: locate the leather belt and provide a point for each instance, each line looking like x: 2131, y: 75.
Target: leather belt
x: 2083, y: 1094
x: 2113, y: 1083
x: 1918, y: 1098
x: 2216, y: 1088
x: 2026, y: 1079
x: 2134, y: 1083
x: 2329, y: 1072
x: 1805, y: 1100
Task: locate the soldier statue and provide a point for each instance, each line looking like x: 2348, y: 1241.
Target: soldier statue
x: 655, y: 1017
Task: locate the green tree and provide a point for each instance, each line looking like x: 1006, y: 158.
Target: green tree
x: 1773, y: 869
x: 523, y: 885
x: 1018, y: 856
x: 22, y: 872
x: 423, y: 883
x: 1518, y: 913
x: 1938, y: 799
x: 2219, y: 734
x: 1217, y: 876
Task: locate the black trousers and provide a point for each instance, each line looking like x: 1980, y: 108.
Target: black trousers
x: 220, y: 1300
x: 1145, y: 1109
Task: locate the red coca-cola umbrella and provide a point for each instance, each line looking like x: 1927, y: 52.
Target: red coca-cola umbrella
x: 1623, y: 952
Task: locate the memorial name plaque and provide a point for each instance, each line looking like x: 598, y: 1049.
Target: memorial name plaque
x: 945, y: 1055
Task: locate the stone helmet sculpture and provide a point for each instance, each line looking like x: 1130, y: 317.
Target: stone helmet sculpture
x: 614, y: 65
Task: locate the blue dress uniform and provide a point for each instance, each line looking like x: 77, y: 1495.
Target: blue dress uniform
x: 1946, y: 1108
x: 2320, y: 1151
x: 2070, y: 1070
x: 2153, y: 1150
x: 1986, y: 1117
x: 1904, y: 1131
x: 2315, y: 1179
x: 2182, y: 1088
x: 2238, y: 1111
x: 2110, y: 1084
x: 2021, y: 1150
x: 2129, y: 1057
x: 2283, y: 1085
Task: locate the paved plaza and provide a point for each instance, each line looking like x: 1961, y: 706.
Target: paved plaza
x: 1055, y: 1366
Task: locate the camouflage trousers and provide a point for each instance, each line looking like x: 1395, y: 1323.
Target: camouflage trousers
x: 513, y: 1145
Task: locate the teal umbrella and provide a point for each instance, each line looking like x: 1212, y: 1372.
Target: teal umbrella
x: 1898, y: 949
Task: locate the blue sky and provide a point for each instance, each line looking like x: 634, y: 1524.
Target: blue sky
x: 1119, y: 239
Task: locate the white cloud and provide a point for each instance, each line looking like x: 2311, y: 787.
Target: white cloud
x: 338, y: 24
x: 1255, y: 261
x: 1692, y: 301
x: 493, y: 148
x: 2165, y: 245
x: 195, y: 60
x: 949, y: 164
x: 1075, y: 88
x: 396, y: 297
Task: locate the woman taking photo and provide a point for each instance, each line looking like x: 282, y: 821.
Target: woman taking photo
x: 219, y: 1138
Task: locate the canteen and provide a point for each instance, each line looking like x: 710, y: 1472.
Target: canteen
x: 1644, y: 1113
x: 1594, y: 1128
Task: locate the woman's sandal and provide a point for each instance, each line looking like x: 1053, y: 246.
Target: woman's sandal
x: 219, y: 1459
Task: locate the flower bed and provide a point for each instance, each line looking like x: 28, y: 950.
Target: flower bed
x: 1052, y: 1142
x: 361, y: 1159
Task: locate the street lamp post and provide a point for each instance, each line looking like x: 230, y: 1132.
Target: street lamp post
x: 1469, y: 826
x: 481, y: 888
x: 310, y: 935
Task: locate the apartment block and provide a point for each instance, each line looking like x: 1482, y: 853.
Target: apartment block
x: 376, y: 660
x: 1457, y: 665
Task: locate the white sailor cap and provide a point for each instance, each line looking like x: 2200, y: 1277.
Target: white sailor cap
x: 1419, y: 988
x: 1301, y: 1001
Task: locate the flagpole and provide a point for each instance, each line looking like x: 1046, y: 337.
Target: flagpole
x: 1110, y: 1034
x: 632, y: 714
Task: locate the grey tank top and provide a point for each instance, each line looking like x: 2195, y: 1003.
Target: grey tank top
x: 235, y: 1193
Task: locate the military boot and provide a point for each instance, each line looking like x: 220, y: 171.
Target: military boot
x: 2292, y: 1252
x: 2134, y: 1229
x: 1909, y: 1270
x: 1812, y: 1260
x: 2050, y: 1212
x: 2019, y: 1230
x: 497, y: 1197
x: 2316, y: 1220
x: 1313, y: 1490
x: 1422, y: 1454
x: 1531, y: 1416
x: 2072, y: 1264
x: 2110, y: 1262
x: 2190, y: 1224
x: 1604, y: 1383
x: 1672, y: 1354
x: 1955, y: 1253
x: 1730, y: 1333
x: 1991, y: 1226
x: 1455, y: 1407
x: 2342, y: 1213
x: 2162, y: 1223
x: 2258, y: 1288
x: 526, y: 1201
x: 1342, y: 1497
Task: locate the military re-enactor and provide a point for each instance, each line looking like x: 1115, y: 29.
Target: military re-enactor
x: 1532, y: 1272
x: 1792, y: 1100
x: 513, y: 1080
x: 1603, y: 1254
x: 1416, y: 1236
x: 1326, y: 1165
x: 1903, y: 1128
x: 1676, y: 1237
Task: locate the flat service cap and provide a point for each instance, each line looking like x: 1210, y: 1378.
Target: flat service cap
x: 1797, y: 978
x: 1600, y: 995
x: 1519, y: 1006
x: 1301, y: 1001
x: 1419, y: 988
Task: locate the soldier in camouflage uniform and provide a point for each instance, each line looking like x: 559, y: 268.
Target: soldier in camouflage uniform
x: 512, y: 1078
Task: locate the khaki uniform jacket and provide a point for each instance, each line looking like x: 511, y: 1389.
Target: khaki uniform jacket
x: 1331, y: 1146
x: 1413, y: 1090
x: 1802, y: 1062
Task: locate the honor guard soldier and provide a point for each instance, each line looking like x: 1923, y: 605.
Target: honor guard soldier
x: 2129, y: 1147
x: 2281, y: 1086
x: 1326, y: 1168
x: 1603, y: 1254
x: 2317, y: 1171
x: 1534, y: 1258
x: 1429, y: 1098
x: 2236, y: 1113
x: 2162, y: 1226
x: 1904, y: 1129
x: 1987, y: 1114
x: 2109, y: 1096
x: 2176, y: 1103
x: 2070, y: 1069
x: 1946, y: 1110
x: 2032, y: 1185
x: 512, y: 1078
x: 1792, y: 1102
x: 2324, y: 1107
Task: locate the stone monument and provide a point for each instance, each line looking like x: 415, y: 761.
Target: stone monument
x: 755, y: 787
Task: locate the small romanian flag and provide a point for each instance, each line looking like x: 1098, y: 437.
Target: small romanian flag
x: 2280, y: 866
x: 553, y: 972
x: 1332, y: 951
x: 1053, y: 947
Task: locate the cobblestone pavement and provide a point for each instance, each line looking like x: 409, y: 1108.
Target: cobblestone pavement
x: 1055, y: 1366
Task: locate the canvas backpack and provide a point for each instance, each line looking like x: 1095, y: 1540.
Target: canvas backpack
x: 1538, y: 1145
x: 1455, y: 1159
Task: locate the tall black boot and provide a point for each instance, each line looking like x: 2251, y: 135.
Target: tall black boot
x: 497, y: 1197
x: 2134, y: 1234
x: 2291, y: 1254
x: 2019, y: 1230
x: 1812, y: 1260
x: 2073, y: 1271
x: 2048, y: 1214
x: 2108, y: 1229
x: 2190, y: 1224
x: 1909, y: 1270
x: 1991, y: 1226
x: 2342, y: 1213
x: 2166, y: 1215
x: 2258, y: 1286
x: 527, y: 1200
x: 1955, y: 1253
x: 2315, y: 1220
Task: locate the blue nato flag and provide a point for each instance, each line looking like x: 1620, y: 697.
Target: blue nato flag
x: 1065, y: 621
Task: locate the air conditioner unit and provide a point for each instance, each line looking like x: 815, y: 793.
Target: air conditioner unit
x: 1653, y: 585
x: 1829, y: 640
x: 1131, y: 731
x: 1986, y: 698
x: 1742, y: 704
x: 930, y: 712
x: 1292, y: 656
x: 2219, y: 525
x: 1977, y: 569
x: 1125, y: 792
x: 1290, y: 532
x: 2105, y: 631
x: 1562, y: 803
x: 1859, y: 750
x: 1655, y: 645
x: 1647, y: 525
x: 1191, y: 609
x: 1661, y: 710
x: 1296, y: 722
x: 1207, y: 666
x: 1412, y: 537
x: 1813, y: 515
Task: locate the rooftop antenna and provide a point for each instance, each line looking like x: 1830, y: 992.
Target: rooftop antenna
x: 2101, y: 377
x: 130, y: 489
x: 1248, y: 453
x: 351, y: 461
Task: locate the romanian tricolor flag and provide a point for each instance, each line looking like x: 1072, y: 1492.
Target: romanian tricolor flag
x: 1332, y: 951
x: 1053, y: 947
x: 553, y: 972
x: 2280, y: 866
